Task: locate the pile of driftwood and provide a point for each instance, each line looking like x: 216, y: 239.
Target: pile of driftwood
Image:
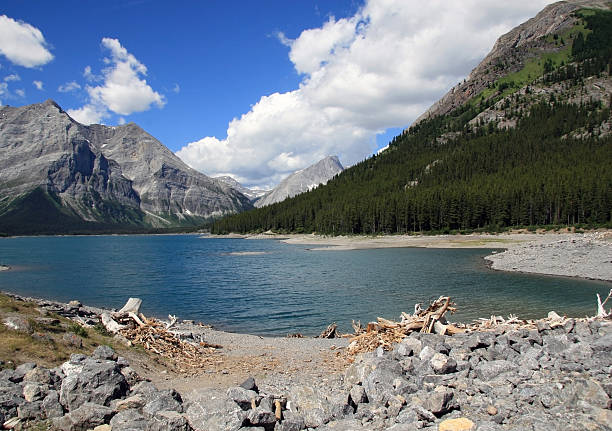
x: 155, y: 336
x: 384, y: 333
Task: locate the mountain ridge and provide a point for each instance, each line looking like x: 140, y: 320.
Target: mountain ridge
x: 98, y: 174
x: 302, y: 181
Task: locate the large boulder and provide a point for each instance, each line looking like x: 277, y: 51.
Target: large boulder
x: 97, y: 382
x: 83, y: 418
x: 211, y: 410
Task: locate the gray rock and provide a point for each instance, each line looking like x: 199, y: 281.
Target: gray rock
x: 168, y: 421
x: 35, y: 391
x: 30, y: 411
x: 261, y: 417
x: 291, y: 422
x: 22, y: 370
x: 311, y: 404
x: 442, y: 364
x: 166, y: 400
x: 85, y: 417
x: 104, y: 353
x: 358, y: 395
x: 243, y: 397
x: 489, y: 370
x: 590, y: 391
x: 214, y: 411
x: 379, y: 386
x: 17, y: 323
x: 427, y: 353
x: 357, y: 372
x: 345, y: 425
x: 51, y: 405
x: 409, y: 346
x: 99, y: 382
x: 250, y: 385
x: 72, y: 340
x: 11, y: 396
x: 130, y: 419
x: 40, y: 375
x: 439, y: 401
x: 603, y: 344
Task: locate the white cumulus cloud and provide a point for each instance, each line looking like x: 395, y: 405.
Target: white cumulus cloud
x: 38, y: 85
x: 23, y: 44
x: 89, y: 114
x: 361, y: 75
x: 68, y: 87
x: 122, y: 90
x: 12, y: 77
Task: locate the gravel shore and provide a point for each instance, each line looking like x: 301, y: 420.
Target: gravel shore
x: 586, y: 255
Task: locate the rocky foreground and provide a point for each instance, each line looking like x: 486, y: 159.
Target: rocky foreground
x: 557, y: 376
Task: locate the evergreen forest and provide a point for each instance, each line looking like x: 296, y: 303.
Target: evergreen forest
x: 554, y: 167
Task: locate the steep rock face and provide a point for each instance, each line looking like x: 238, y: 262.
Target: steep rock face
x: 41, y: 147
x: 103, y: 174
x: 512, y: 51
x: 303, y: 180
x: 165, y: 184
x: 252, y: 194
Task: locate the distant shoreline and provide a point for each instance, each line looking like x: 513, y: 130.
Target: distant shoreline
x: 577, y: 255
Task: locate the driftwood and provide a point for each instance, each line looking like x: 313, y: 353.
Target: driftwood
x: 601, y: 311
x: 132, y: 305
x: 330, y: 332
x: 155, y: 337
x: 384, y: 333
x: 110, y: 324
x: 172, y: 321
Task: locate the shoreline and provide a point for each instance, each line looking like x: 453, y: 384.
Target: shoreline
x: 575, y: 255
x: 498, y: 375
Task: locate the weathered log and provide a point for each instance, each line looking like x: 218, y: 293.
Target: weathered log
x: 136, y: 319
x: 330, y: 332
x: 601, y: 311
x: 132, y: 305
x: 172, y: 321
x: 110, y: 324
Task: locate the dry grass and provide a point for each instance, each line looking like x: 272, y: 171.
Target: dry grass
x: 44, y: 344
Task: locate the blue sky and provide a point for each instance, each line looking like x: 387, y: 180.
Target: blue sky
x: 251, y: 89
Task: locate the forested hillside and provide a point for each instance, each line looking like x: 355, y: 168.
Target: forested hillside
x: 532, y: 150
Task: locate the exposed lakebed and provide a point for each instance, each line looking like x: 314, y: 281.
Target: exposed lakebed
x: 272, y: 288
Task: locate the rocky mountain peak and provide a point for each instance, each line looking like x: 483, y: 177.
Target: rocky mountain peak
x: 513, y: 50
x: 303, y: 180
x: 102, y: 174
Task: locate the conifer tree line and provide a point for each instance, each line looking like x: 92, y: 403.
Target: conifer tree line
x: 444, y: 175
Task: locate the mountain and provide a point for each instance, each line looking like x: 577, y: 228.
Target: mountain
x: 525, y: 141
x: 57, y: 175
x: 303, y: 181
x: 526, y: 44
x: 252, y: 194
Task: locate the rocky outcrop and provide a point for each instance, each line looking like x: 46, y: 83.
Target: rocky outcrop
x: 102, y: 174
x: 303, y: 181
x: 512, y: 51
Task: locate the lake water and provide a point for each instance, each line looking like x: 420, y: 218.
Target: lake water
x: 267, y: 287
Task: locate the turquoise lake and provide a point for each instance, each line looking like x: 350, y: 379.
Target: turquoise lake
x: 270, y: 288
